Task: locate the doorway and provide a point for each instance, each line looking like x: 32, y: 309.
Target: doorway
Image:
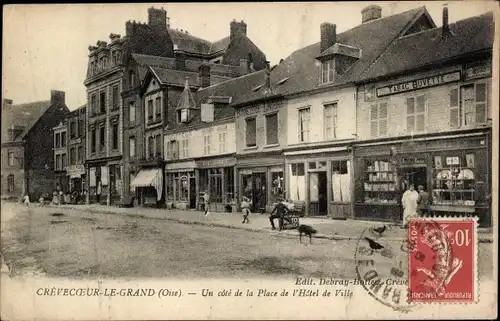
x: 414, y: 175
x: 259, y: 199
x: 318, y: 189
x: 192, y: 192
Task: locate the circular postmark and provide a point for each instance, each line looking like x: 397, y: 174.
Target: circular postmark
x: 381, y: 259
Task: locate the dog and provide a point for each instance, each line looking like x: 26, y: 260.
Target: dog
x: 307, y: 230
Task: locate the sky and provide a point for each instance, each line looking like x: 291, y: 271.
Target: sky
x: 45, y: 46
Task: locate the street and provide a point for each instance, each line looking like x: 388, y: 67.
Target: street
x: 75, y: 243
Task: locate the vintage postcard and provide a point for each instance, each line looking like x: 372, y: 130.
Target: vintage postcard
x: 285, y: 161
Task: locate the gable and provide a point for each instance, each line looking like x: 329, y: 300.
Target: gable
x: 422, y: 23
x: 152, y: 85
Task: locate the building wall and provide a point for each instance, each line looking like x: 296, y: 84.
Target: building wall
x: 346, y: 115
x: 437, y: 113
x: 196, y: 140
x: 259, y: 112
x: 17, y: 170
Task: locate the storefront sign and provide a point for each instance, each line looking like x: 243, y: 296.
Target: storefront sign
x: 75, y: 171
x: 412, y: 160
x: 418, y: 84
x: 452, y: 161
x: 216, y: 163
x: 478, y: 70
x: 178, y: 136
x: 174, y: 167
x: 262, y: 108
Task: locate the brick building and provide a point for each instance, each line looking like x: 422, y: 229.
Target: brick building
x: 27, y: 146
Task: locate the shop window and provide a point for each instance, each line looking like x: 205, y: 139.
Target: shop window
x: 116, y: 98
x: 170, y: 186
x: 453, y: 180
x: 158, y: 145
x: 341, y: 181
x: 247, y: 184
x: 115, y: 136
x: 158, y: 108
x: 131, y: 113
x: 304, y: 115
x: 182, y: 186
x: 277, y: 187
x: 223, y: 142
x: 229, y: 185
x: 297, y: 182
x: 251, y: 132
x: 330, y: 121
x: 10, y: 183
x: 12, y: 158
x: 378, y: 119
x: 272, y: 129
x: 207, y: 144
x: 185, y: 148
x: 131, y: 147
x: 215, y: 185
x: 415, y: 114
x: 102, y: 102
x: 381, y: 182
x: 150, y: 110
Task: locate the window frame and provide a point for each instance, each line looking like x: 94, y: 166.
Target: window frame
x: 185, y: 147
x: 416, y: 113
x: 11, y: 183
x: 254, y: 119
x: 158, y: 147
x: 266, y: 118
x: 333, y: 105
x: 93, y: 140
x: 11, y: 160
x: 207, y: 144
x: 102, y: 102
x: 301, y: 137
x: 222, y: 142
x: 131, y: 151
x: 102, y: 138
x: 378, y: 119
x: 116, y: 100
x: 132, y: 111
x: 115, y: 138
x: 157, y: 108
x: 329, y: 76
x: 150, y: 110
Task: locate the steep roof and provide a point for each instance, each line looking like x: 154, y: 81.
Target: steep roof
x: 186, y: 100
x: 467, y: 36
x: 189, y: 43
x: 22, y: 117
x: 299, y: 72
x: 178, y: 77
x: 220, y: 45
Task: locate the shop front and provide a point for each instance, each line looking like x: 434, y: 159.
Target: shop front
x: 261, y: 180
x: 217, y: 176
x: 76, y: 177
x: 148, y: 184
x: 321, y: 179
x: 454, y: 169
x: 98, y: 184
x: 181, y: 185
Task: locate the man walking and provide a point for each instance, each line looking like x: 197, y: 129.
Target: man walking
x: 280, y: 210
x: 423, y: 201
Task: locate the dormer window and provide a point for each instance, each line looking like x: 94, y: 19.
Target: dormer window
x: 327, y: 71
x: 183, y: 115
x: 131, y: 78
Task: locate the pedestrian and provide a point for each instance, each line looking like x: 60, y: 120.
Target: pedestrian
x: 245, y: 205
x: 206, y: 201
x: 409, y: 202
x: 423, y: 201
x: 26, y: 200
x: 281, y: 210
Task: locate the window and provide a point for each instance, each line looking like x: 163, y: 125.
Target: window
x: 381, y: 183
x: 63, y: 139
x: 158, y: 145
x: 272, y: 129
x: 158, y: 108
x: 172, y: 150
x: 207, y: 144
x: 93, y: 105
x: 415, y: 114
x: 58, y: 162
x: 131, y: 113
x: 58, y: 140
x: 454, y: 109
x: 454, y: 180
x: 151, y: 147
x: 131, y: 78
x: 63, y: 161
x: 223, y: 142
x: 297, y: 182
x: 473, y: 104
x: 150, y: 110
x: 251, y: 132
x: 131, y: 147
x: 183, y: 115
x: 330, y: 113
x: 102, y: 139
x: 131, y: 177
x: 341, y: 181
x: 185, y: 148
x: 378, y: 119
x: 277, y: 186
x: 10, y: 183
x: 229, y: 185
x: 102, y: 102
x: 72, y: 156
x: 81, y: 127
x: 81, y: 154
x: 304, y: 115
x: 93, y: 141
x: 116, y: 96
x: 115, y: 136
x: 12, y: 158
x: 327, y: 71
x: 72, y: 129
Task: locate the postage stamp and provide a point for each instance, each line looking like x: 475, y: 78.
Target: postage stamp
x: 443, y: 260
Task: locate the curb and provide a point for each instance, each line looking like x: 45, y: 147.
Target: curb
x: 288, y: 233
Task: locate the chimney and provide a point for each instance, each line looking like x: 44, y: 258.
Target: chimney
x: 180, y: 60
x: 157, y: 18
x: 267, y: 83
x: 244, y: 66
x: 328, y: 35
x: 237, y: 29
x: 57, y: 97
x: 370, y: 13
x: 204, y: 75
x: 446, y: 26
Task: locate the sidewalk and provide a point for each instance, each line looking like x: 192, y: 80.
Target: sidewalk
x: 326, y: 227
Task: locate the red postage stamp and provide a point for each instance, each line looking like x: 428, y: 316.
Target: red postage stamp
x: 443, y: 260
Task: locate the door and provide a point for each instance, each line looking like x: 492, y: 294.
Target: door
x: 259, y: 200
x: 318, y: 199
x: 414, y: 175
x: 192, y: 192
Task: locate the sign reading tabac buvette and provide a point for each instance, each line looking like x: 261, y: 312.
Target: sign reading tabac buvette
x: 418, y: 84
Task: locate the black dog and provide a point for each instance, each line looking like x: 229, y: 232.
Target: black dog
x: 307, y: 230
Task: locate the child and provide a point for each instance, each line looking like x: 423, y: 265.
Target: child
x: 26, y: 200
x: 245, y: 205
x: 206, y: 199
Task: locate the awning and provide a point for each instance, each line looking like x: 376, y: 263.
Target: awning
x: 150, y: 177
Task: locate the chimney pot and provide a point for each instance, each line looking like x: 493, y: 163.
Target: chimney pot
x: 370, y: 13
x: 237, y: 29
x: 204, y: 75
x: 328, y: 35
x: 446, y: 26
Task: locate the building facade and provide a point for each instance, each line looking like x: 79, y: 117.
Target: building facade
x: 61, y: 156
x: 27, y: 146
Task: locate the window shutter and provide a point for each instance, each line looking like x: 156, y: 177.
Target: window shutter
x: 382, y: 123
x: 454, y: 109
x: 481, y: 97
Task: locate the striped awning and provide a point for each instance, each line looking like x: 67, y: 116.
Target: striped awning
x: 150, y: 177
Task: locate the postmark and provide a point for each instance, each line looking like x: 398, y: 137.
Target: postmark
x: 381, y: 259
x: 443, y: 260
